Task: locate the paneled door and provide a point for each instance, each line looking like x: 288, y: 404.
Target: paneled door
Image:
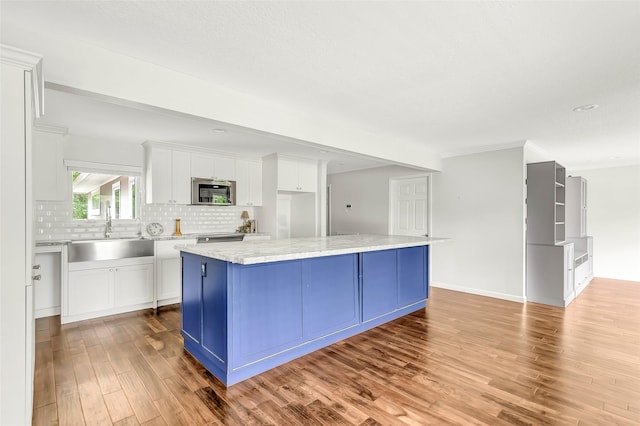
x: 409, y: 207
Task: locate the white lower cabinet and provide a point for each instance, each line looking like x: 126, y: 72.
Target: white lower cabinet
x: 101, y: 288
x: 169, y: 271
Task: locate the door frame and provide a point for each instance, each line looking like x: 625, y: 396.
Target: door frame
x: 392, y: 186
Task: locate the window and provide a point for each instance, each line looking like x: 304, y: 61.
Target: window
x: 91, y: 191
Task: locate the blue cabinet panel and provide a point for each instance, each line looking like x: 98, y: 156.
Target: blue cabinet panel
x: 379, y: 283
x: 192, y: 297
x: 214, y: 310
x: 412, y: 275
x: 267, y: 310
x: 330, y: 289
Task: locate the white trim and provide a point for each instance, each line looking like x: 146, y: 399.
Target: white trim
x: 483, y: 148
x: 191, y: 149
x: 19, y: 57
x: 470, y: 290
x: 32, y: 62
x: 50, y: 128
x: 89, y: 166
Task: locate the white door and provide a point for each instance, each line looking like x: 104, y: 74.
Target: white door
x: 409, y: 208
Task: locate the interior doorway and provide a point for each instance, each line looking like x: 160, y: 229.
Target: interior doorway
x: 410, y: 205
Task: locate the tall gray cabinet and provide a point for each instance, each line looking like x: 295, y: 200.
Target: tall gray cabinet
x: 557, y: 247
x: 549, y: 256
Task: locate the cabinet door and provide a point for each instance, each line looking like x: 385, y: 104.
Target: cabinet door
x: 192, y: 297
x: 214, y: 310
x: 243, y: 195
x: 267, y: 310
x: 248, y: 183
x: 224, y: 168
x: 46, y: 292
x: 287, y: 175
x: 90, y: 290
x: 49, y: 173
x: 307, y: 177
x: 568, y: 269
x: 255, y: 183
x: 168, y: 278
x: 379, y: 283
x: 181, y: 177
x: 161, y: 177
x: 202, y: 166
x: 412, y: 275
x: 133, y: 284
x: 330, y: 294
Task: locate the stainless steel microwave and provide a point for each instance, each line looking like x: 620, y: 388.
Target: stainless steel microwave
x: 211, y: 192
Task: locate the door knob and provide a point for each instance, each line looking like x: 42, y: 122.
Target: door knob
x: 35, y: 267
x: 37, y: 277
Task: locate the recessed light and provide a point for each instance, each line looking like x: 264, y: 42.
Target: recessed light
x: 219, y: 130
x: 587, y: 107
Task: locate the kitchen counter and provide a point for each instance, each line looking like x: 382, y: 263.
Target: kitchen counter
x: 250, y: 306
x: 254, y: 252
x: 196, y: 235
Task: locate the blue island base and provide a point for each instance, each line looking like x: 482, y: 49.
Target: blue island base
x: 241, y: 320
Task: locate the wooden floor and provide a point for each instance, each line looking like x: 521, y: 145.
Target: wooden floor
x: 464, y: 360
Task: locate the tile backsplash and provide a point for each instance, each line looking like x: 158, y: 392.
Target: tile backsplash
x: 53, y: 221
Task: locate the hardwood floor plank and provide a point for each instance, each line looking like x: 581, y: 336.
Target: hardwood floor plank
x: 172, y: 412
x: 44, y: 379
x: 107, y: 377
x: 69, y: 407
x: 118, y: 406
x: 152, y: 382
x: 45, y: 415
x: 94, y: 408
x: 138, y: 397
x: 196, y: 408
x: 466, y: 359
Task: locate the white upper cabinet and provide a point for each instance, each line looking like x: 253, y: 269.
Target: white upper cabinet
x: 224, y: 168
x: 49, y: 173
x: 201, y: 166
x: 248, y: 183
x: 212, y: 167
x: 168, y: 176
x: 297, y: 175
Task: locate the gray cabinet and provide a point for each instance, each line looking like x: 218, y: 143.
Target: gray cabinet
x: 545, y: 203
x: 550, y: 274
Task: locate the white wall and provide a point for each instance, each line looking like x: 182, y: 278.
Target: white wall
x: 368, y: 193
x: 613, y: 219
x: 478, y: 202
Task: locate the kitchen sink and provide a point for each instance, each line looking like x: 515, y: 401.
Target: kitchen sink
x: 109, y: 249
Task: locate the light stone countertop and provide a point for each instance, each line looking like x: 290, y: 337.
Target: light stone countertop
x: 253, y: 252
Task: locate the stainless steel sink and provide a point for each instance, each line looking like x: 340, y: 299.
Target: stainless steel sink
x: 89, y: 250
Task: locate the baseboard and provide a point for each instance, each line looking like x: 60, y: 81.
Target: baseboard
x: 479, y: 292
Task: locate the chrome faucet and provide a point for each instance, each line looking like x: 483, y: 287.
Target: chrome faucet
x: 108, y: 230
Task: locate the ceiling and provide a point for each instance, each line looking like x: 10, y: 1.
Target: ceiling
x: 457, y: 76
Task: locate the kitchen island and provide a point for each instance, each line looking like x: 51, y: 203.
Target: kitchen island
x: 250, y: 306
